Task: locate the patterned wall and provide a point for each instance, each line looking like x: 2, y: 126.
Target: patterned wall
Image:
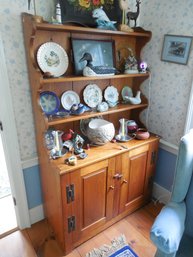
x: 11, y: 32
x: 170, y: 83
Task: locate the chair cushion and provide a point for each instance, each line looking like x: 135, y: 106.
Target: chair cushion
x: 168, y: 227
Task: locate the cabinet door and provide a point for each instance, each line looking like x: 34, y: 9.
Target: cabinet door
x: 93, y: 198
x: 134, y: 166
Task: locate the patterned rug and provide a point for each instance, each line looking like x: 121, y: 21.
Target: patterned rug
x: 119, y: 248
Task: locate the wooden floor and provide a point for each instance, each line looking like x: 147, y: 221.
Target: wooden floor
x: 38, y: 240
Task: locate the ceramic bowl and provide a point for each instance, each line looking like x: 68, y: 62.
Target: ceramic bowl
x: 100, y: 131
x: 142, y: 133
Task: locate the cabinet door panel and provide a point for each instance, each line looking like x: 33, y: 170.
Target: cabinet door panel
x: 134, y: 166
x: 137, y: 176
x: 94, y: 197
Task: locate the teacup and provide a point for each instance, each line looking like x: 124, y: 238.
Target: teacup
x: 141, y: 133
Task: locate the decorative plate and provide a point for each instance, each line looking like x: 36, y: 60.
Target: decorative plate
x: 92, y: 95
x: 52, y: 58
x: 49, y: 102
x: 126, y: 91
x: 69, y: 98
x: 111, y: 94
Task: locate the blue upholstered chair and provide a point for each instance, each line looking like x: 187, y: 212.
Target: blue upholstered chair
x: 172, y: 231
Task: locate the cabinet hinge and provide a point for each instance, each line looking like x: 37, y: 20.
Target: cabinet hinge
x: 71, y: 224
x: 153, y: 157
x: 70, y: 193
x: 1, y: 126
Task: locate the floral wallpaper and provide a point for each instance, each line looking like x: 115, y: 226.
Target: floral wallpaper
x: 170, y: 83
x: 11, y: 33
x: 168, y: 88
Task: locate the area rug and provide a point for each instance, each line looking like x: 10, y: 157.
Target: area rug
x: 119, y: 248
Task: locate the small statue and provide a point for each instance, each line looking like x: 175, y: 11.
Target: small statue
x: 58, y: 17
x: 134, y: 15
x: 131, y: 65
x: 78, y: 142
x: 102, y: 20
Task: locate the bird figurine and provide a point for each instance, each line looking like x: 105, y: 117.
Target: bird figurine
x: 91, y: 70
x: 78, y: 109
x: 134, y: 100
x: 67, y: 135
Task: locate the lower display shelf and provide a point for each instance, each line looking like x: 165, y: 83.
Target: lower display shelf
x: 119, y: 108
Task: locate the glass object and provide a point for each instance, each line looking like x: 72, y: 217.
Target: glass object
x: 123, y: 130
x: 58, y: 145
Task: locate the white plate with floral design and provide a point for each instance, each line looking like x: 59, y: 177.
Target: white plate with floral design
x: 92, y: 95
x: 52, y: 58
x: 111, y: 94
x: 69, y: 98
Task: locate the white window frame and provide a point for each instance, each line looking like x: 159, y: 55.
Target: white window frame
x: 189, y: 117
x: 11, y: 146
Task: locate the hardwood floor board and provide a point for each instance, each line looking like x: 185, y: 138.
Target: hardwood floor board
x: 50, y: 249
x: 112, y: 232
x: 38, y: 233
x: 16, y: 244
x: 86, y: 247
x: 142, y: 221
x: 74, y: 253
x: 135, y: 227
x: 136, y: 240
x: 100, y: 240
x: 153, y: 208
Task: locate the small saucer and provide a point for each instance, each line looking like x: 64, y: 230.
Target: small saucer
x: 123, y: 138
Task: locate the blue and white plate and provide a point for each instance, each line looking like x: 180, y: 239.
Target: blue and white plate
x: 49, y: 102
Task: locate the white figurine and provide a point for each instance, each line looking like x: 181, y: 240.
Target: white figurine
x: 58, y: 17
x: 134, y: 100
x: 58, y: 13
x: 102, y: 20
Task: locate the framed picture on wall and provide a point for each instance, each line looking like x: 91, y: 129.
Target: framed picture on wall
x: 102, y: 52
x: 80, y: 11
x: 176, y: 49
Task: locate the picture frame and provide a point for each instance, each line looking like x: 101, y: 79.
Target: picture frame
x: 102, y: 51
x: 80, y: 12
x: 176, y: 49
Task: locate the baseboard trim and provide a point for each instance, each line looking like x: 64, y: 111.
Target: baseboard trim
x: 168, y: 147
x: 28, y: 163
x: 161, y: 194
x: 36, y: 214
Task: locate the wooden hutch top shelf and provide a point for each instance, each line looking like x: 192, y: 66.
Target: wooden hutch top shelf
x: 40, y: 24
